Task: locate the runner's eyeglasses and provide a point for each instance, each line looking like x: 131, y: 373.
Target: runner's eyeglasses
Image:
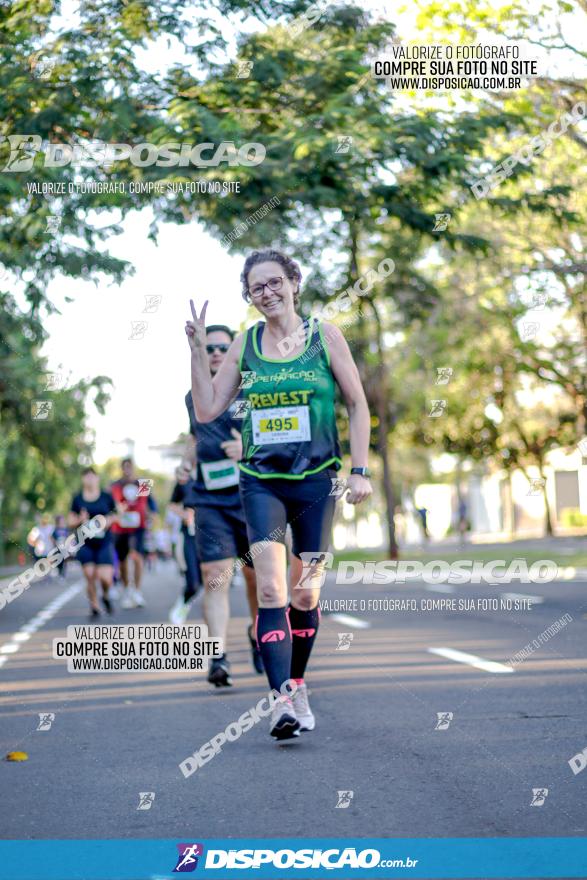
x: 221, y: 346
x: 274, y: 284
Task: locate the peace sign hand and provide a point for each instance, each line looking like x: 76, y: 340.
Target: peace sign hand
x: 196, y: 329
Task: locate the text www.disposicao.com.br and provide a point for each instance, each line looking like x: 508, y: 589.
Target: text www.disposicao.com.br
x: 141, y: 664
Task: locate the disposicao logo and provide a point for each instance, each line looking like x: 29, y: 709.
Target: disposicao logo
x: 93, y: 154
x: 187, y: 859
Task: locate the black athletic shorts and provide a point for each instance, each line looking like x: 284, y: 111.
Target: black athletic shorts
x: 97, y: 552
x: 305, y: 505
x: 127, y: 541
x: 221, y: 533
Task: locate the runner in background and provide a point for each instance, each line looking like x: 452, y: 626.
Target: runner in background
x: 151, y: 519
x: 187, y: 553
x: 149, y: 542
x: 173, y: 522
x: 115, y: 590
x: 95, y: 555
x: 133, y: 506
x: 60, y: 533
x: 463, y: 519
x: 162, y: 537
x: 221, y: 531
x: 40, y: 537
x: 423, y: 514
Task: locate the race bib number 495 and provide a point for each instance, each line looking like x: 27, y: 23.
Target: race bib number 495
x: 284, y: 424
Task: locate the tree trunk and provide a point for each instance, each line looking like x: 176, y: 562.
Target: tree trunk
x: 547, y: 517
x: 380, y: 395
x: 387, y: 481
x: 383, y: 431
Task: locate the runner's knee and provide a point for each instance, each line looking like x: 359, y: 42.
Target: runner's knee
x: 305, y: 600
x: 217, y: 575
x: 271, y: 593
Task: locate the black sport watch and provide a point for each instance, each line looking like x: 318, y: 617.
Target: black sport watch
x: 363, y: 472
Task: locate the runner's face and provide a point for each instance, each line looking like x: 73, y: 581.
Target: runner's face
x: 90, y: 482
x: 128, y: 470
x: 272, y: 303
x: 215, y: 359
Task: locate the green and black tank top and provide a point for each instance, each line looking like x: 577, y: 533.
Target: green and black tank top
x: 289, y: 427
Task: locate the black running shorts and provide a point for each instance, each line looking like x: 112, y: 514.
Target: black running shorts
x: 221, y: 533
x: 125, y: 542
x: 96, y: 552
x: 305, y: 505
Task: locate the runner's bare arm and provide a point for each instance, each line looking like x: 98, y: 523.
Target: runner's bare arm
x: 189, y: 452
x: 347, y: 377
x: 211, y: 397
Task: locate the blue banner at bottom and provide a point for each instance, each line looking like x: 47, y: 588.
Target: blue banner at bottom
x: 224, y: 859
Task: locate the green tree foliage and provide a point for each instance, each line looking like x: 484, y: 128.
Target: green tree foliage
x: 38, y: 457
x: 300, y: 92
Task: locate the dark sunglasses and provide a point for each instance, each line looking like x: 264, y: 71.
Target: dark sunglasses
x: 221, y: 346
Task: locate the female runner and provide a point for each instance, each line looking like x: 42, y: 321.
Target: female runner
x: 96, y: 556
x: 290, y: 458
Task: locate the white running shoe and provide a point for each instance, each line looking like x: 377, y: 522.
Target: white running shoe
x: 114, y: 592
x: 179, y: 612
x: 302, y: 709
x: 284, y: 724
x: 127, y: 598
x: 138, y: 597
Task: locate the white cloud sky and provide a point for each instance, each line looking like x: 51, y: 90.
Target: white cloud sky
x: 150, y: 375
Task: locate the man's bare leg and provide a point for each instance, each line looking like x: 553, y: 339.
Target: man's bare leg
x: 217, y: 576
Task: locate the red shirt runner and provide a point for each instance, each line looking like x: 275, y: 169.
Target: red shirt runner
x: 135, y: 507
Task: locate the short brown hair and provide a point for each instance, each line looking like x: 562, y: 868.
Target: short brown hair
x: 220, y: 328
x: 291, y: 268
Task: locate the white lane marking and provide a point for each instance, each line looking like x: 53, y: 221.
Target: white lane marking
x: 535, y: 599
x: 440, y: 588
x: 25, y: 632
x: 471, y: 659
x: 349, y: 620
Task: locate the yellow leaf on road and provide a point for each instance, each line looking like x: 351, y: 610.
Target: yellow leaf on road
x: 17, y: 756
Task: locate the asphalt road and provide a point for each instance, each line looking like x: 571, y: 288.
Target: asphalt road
x: 376, y: 702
